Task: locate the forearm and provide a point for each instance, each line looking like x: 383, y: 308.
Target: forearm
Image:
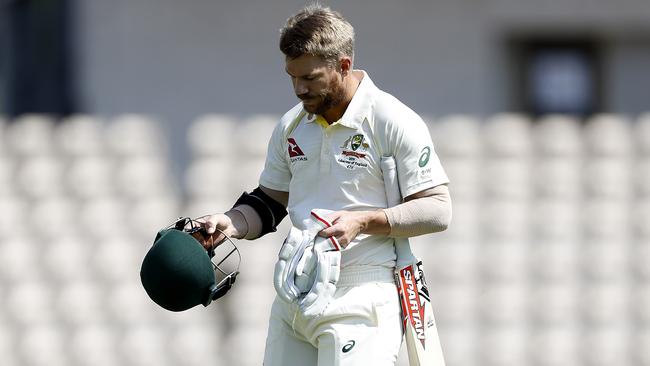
x: 421, y: 215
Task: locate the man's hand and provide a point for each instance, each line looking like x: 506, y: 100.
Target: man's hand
x: 346, y: 225
x: 231, y: 223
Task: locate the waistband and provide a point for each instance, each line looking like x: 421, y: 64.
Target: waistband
x: 357, y: 275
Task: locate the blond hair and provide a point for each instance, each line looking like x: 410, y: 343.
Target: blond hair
x: 319, y: 31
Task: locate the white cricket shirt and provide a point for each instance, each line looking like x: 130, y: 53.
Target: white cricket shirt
x: 336, y: 167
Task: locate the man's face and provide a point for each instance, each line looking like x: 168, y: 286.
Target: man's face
x: 316, y: 83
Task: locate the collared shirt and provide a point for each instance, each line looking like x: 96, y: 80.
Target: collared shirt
x: 336, y: 167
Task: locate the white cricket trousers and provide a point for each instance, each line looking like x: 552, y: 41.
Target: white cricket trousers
x: 360, y: 326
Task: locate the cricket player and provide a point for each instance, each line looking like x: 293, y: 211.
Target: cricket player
x: 324, y: 154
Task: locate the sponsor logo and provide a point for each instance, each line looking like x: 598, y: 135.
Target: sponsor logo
x: 424, y: 156
x: 412, y: 303
x: 295, y: 153
x: 348, y: 346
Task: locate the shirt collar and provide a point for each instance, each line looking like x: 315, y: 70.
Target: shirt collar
x: 359, y: 107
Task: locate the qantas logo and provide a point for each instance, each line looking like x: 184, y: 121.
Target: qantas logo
x: 295, y: 153
x: 294, y: 149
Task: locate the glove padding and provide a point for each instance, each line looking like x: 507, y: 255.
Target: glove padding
x: 308, y: 266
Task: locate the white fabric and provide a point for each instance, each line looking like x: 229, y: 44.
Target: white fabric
x: 308, y: 266
x: 365, y: 310
x: 337, y: 166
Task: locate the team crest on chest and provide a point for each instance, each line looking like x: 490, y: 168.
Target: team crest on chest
x: 354, y: 152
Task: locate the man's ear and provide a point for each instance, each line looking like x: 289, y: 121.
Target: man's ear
x: 346, y: 65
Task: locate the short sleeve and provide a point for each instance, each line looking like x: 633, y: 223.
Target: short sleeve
x: 418, y: 166
x: 276, y: 174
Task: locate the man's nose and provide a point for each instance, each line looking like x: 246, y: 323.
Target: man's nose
x: 300, y: 87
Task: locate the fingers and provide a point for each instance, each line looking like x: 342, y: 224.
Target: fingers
x: 209, y: 223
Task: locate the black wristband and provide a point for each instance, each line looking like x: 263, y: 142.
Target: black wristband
x: 271, y: 212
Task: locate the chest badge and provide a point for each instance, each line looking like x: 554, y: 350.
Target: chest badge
x: 353, y: 153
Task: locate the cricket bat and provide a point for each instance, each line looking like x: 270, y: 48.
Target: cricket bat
x: 418, y: 322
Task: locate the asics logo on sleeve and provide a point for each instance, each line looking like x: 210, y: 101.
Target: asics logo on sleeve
x: 348, y: 346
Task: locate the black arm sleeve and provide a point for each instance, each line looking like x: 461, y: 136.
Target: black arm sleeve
x: 271, y: 211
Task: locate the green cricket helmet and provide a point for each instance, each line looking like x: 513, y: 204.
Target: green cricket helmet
x: 178, y: 273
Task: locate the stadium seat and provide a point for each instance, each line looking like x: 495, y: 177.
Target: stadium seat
x: 80, y: 302
x: 641, y: 175
x: 606, y: 261
x: 459, y: 346
x: 117, y: 259
x: 640, y: 300
x: 557, y: 178
x: 608, y: 135
x: 19, y: 260
x: 608, y: 178
x: 639, y: 347
x: 148, y: 216
x: 212, y: 135
x: 616, y: 215
x: 558, y: 136
x: 133, y: 135
x: 554, y: 261
x: 459, y: 136
x: 640, y: 219
x: 503, y: 304
x: 7, y: 169
x: 104, y: 217
x: 505, y: 220
x: 606, y: 346
x: 208, y: 177
x: 507, y: 135
x: 606, y: 305
x: 144, y: 177
x: 465, y: 176
x: 640, y: 257
x: 504, y: 346
x: 94, y: 345
x: 253, y: 134
x: 554, y: 219
x: 80, y: 135
x: 145, y: 345
x: 13, y: 211
x: 8, y: 352
x: 503, y: 260
x: 30, y: 135
x: 29, y: 303
x: 196, y: 345
x: 53, y: 217
x: 556, y: 346
x: 255, y: 315
x: 507, y: 178
x: 455, y: 305
x: 44, y: 345
x: 641, y: 133
x: 447, y: 262
x: 40, y: 177
x: 248, y: 175
x: 129, y: 306
x: 555, y: 304
x: 90, y: 177
x: 466, y: 222
x: 245, y: 347
x: 67, y: 258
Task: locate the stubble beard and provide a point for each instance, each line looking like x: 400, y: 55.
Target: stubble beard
x: 330, y: 98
